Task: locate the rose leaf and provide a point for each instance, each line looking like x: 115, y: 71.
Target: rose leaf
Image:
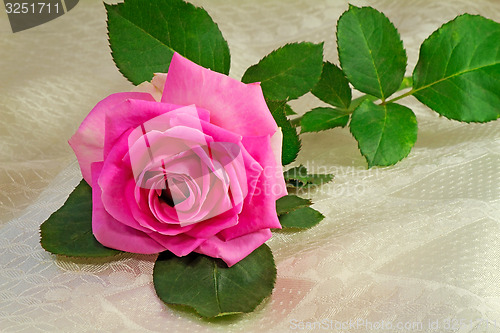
x: 320, y: 119
x: 291, y: 202
x: 143, y: 36
x: 68, y: 231
x: 385, y: 133
x: 210, y: 287
x: 289, y: 111
x: 333, y: 87
x: 302, y: 218
x: 288, y: 72
x: 371, y: 52
x: 299, y: 177
x: 291, y: 141
x: 458, y: 71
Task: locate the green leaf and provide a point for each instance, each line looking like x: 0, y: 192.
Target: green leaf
x: 210, y: 287
x: 407, y: 83
x: 289, y: 111
x: 357, y: 101
x: 370, y: 51
x: 320, y: 119
x: 303, y: 218
x: 68, y: 231
x: 299, y: 177
x: 288, y: 72
x: 291, y: 141
x: 385, y: 133
x: 458, y: 71
x: 144, y: 35
x: 290, y: 203
x: 333, y: 87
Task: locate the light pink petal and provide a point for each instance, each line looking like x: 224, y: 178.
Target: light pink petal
x: 233, y: 105
x: 234, y: 250
x: 88, y: 141
x: 159, y: 81
x: 155, y: 87
x: 113, y: 234
x: 277, y: 144
x: 149, y: 88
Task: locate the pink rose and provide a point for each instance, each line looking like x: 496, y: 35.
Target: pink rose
x: 192, y: 163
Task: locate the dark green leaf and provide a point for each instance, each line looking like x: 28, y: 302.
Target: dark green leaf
x: 291, y: 141
x: 289, y: 111
x: 370, y: 51
x: 299, y: 177
x: 303, y: 218
x: 458, y: 71
x: 320, y: 119
x: 144, y: 35
x: 290, y: 203
x: 288, y: 72
x: 68, y: 231
x: 210, y: 287
x: 333, y: 87
x: 385, y: 133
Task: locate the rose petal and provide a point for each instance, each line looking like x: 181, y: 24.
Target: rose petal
x: 88, y: 141
x: 233, y: 105
x: 261, y: 149
x: 117, y: 178
x: 159, y: 81
x: 214, y: 225
x: 155, y: 87
x: 259, y: 210
x: 132, y: 113
x: 276, y: 145
x: 180, y: 245
x: 113, y: 234
x: 234, y: 250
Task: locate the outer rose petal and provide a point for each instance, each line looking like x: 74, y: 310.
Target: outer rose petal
x: 88, y: 141
x: 233, y: 105
x: 112, y: 233
x: 236, y: 249
x: 262, y: 149
x: 277, y: 145
x: 180, y: 245
x: 155, y: 87
x: 259, y: 211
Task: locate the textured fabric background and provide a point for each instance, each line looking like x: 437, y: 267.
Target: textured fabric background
x: 417, y: 243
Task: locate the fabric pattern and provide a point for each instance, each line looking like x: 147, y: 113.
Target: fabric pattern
x: 414, y: 243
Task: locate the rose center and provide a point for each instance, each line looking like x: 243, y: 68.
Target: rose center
x: 174, y: 193
x: 166, y: 196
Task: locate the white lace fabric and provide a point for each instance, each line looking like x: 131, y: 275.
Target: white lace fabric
x: 418, y: 242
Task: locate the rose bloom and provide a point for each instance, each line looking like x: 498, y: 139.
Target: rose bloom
x: 190, y: 162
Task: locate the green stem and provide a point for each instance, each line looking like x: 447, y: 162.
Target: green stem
x: 407, y: 83
x: 409, y: 93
